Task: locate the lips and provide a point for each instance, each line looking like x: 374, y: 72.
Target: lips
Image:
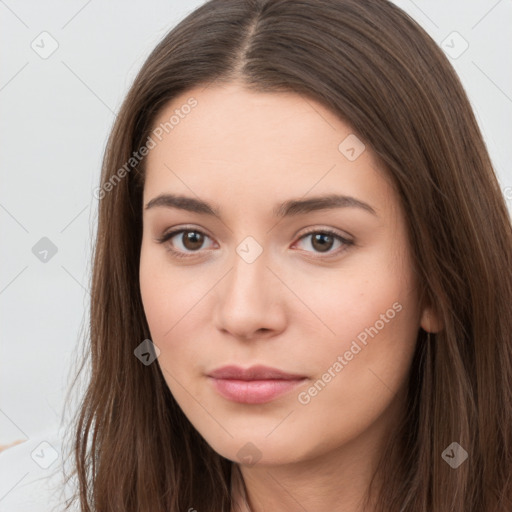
x: 254, y: 385
x: 258, y: 372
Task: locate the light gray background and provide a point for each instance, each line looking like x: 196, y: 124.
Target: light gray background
x: 55, y: 118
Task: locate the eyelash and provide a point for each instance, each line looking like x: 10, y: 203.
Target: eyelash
x: 179, y: 254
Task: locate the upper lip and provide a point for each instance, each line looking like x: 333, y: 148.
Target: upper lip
x: 258, y: 372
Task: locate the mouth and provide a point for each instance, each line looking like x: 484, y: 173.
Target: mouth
x: 254, y: 385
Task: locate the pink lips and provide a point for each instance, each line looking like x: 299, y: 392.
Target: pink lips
x: 255, y: 385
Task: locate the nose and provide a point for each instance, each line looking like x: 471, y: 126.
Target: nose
x: 250, y: 301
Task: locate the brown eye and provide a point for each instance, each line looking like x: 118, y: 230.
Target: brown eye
x: 184, y: 242
x: 322, y: 242
x: 192, y: 240
x: 325, y: 242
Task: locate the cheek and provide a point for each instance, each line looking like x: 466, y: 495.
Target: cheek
x: 373, y: 343
x: 156, y: 299
x: 174, y: 299
x: 368, y: 297
x: 358, y: 375
x: 167, y: 293
x: 362, y: 367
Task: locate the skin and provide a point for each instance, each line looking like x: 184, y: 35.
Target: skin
x: 295, y: 307
x: 6, y: 446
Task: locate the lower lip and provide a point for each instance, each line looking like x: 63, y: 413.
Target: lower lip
x: 253, y: 391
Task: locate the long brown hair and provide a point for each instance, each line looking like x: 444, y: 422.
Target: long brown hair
x: 375, y: 67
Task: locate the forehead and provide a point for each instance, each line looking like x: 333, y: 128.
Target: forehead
x: 245, y: 146
x: 231, y: 119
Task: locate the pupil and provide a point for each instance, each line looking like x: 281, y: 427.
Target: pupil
x: 320, y: 237
x: 193, y: 240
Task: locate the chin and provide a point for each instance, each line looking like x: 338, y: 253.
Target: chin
x: 262, y: 449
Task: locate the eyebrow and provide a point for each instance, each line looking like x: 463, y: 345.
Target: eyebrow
x: 288, y: 208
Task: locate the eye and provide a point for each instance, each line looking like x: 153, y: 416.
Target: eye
x: 322, y: 241
x: 188, y: 241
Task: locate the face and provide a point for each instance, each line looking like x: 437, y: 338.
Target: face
x: 324, y: 292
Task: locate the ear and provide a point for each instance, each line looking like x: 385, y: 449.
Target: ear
x: 430, y: 320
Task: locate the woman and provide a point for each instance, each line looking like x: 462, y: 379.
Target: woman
x: 301, y: 287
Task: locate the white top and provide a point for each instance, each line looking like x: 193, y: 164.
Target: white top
x: 31, y: 475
